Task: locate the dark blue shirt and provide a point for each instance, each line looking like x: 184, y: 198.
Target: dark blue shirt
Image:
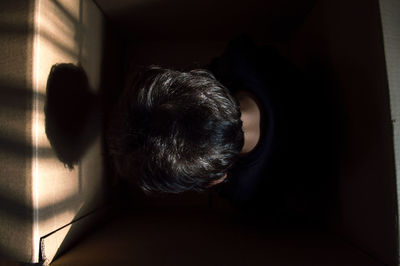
x: 261, y: 178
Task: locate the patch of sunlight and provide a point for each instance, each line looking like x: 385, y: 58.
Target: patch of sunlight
x: 66, y: 31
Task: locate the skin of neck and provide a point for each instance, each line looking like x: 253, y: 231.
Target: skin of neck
x: 250, y: 117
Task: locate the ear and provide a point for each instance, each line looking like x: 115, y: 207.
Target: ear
x: 215, y: 182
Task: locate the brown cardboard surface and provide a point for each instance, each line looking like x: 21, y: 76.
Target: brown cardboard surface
x: 16, y: 212
x: 38, y: 194
x: 183, y: 38
x: 182, y: 20
x: 66, y: 32
x: 57, y: 242
x: 390, y: 15
x: 342, y: 42
x: 201, y: 236
x: 340, y: 39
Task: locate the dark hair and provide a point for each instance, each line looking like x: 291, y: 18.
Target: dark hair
x: 176, y: 131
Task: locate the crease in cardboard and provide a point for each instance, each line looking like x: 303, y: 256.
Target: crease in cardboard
x: 390, y: 11
x: 56, y: 238
x: 35, y: 118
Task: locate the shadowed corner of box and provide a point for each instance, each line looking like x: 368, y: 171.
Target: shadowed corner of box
x: 56, y: 243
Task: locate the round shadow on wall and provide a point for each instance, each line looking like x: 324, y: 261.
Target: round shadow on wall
x: 73, y: 113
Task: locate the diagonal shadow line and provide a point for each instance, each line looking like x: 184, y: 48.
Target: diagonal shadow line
x: 58, y: 44
x: 18, y: 97
x: 15, y: 209
x: 67, y: 14
x: 111, y: 80
x: 12, y: 29
x: 23, y: 211
x: 79, y: 30
x: 18, y: 148
x: 60, y: 7
x: 14, y: 87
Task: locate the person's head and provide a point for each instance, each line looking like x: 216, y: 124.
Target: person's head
x: 180, y: 131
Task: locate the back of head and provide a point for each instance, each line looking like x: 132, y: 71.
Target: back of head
x: 177, y: 131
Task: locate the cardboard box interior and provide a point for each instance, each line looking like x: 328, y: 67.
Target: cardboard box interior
x: 339, y: 44
x: 39, y: 194
x: 351, y: 179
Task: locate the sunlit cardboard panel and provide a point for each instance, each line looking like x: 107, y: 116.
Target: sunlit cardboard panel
x: 69, y: 32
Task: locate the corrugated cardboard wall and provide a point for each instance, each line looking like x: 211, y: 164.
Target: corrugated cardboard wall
x: 16, y: 212
x: 38, y: 193
x: 342, y: 40
x: 66, y: 32
x: 390, y: 15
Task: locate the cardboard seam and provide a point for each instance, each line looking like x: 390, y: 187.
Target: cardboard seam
x: 42, y: 251
x: 35, y: 118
